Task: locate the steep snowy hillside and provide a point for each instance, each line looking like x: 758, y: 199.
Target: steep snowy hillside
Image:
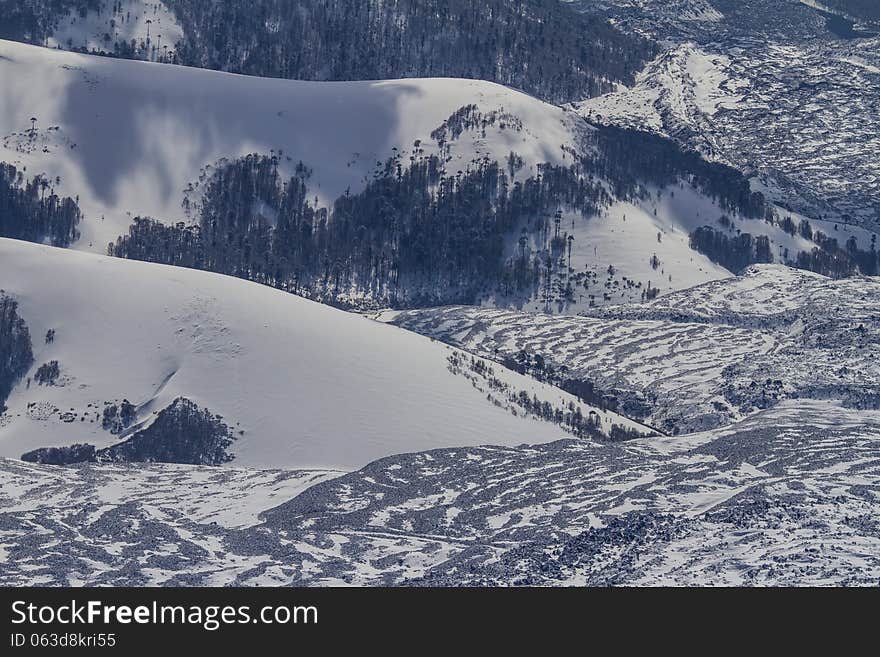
x: 296, y: 384
x: 695, y: 359
x: 129, y: 137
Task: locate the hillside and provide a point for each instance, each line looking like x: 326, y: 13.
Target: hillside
x: 364, y: 193
x: 127, y: 138
x: 700, y: 358
x: 297, y: 384
x: 775, y: 89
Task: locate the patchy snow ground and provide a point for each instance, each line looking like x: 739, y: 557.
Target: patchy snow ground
x: 698, y: 358
x: 797, y: 116
x: 789, y: 497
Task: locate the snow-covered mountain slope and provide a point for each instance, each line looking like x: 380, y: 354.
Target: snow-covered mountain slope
x: 799, y: 114
x: 634, y: 246
x: 789, y: 497
x: 128, y: 137
x: 699, y: 358
x: 300, y: 384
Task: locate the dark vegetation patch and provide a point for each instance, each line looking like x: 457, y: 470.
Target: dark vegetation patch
x: 418, y: 234
x: 16, y: 349
x: 47, y: 373
x: 31, y: 211
x: 182, y: 433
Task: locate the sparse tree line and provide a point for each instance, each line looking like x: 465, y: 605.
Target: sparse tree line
x: 415, y: 236
x: 832, y: 259
x: 469, y: 118
x: 570, y: 416
x: 543, y: 369
x: 828, y: 257
x: 30, y: 210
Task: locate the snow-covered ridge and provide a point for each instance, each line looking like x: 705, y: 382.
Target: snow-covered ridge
x: 301, y: 384
x: 127, y: 137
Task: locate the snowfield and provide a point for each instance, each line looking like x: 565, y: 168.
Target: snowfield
x: 303, y: 385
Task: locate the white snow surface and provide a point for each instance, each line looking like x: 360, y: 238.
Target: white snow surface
x: 129, y: 136
x: 310, y: 386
